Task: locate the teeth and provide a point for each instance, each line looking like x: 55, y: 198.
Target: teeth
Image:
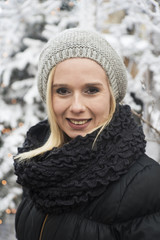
x: 79, y: 122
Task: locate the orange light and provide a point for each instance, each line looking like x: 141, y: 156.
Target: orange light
x: 13, y: 101
x: 1, y: 221
x: 2, y: 85
x: 53, y: 13
x: 8, y: 211
x: 4, y: 182
x: 71, y: 4
x: 10, y: 155
x: 13, y: 210
x: 6, y: 130
x: 20, y: 124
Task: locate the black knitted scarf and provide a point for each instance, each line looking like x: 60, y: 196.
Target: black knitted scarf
x: 65, y: 177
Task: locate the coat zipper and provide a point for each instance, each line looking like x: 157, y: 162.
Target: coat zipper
x: 43, y: 225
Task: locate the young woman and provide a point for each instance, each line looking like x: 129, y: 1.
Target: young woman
x: 84, y: 172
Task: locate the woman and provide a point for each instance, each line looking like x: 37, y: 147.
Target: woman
x: 84, y: 171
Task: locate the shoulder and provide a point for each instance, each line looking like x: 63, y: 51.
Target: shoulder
x: 38, y: 130
x: 36, y: 136
x: 141, y: 195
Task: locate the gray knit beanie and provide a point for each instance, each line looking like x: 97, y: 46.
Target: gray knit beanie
x: 77, y: 43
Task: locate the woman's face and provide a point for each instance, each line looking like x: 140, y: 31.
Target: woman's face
x: 81, y: 96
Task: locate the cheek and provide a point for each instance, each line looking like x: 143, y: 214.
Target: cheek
x: 101, y: 108
x: 102, y: 112
x: 56, y: 107
x: 59, y: 107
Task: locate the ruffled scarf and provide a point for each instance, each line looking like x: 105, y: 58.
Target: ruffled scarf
x: 76, y: 173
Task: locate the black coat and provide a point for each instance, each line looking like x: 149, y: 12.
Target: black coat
x: 128, y: 210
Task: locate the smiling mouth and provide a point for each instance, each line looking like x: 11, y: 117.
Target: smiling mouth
x: 79, y: 122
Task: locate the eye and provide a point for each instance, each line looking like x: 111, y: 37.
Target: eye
x: 91, y: 90
x: 62, y: 91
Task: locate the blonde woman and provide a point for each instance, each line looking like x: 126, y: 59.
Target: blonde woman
x: 84, y: 171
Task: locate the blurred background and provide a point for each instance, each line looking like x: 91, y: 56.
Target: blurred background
x: 131, y: 27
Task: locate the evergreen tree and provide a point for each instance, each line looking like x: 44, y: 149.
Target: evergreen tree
x: 25, y: 27
x: 134, y: 28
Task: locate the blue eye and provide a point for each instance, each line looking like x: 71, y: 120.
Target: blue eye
x: 92, y: 90
x: 62, y: 91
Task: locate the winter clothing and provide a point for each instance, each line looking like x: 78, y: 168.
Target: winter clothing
x: 79, y: 193
x: 73, y: 43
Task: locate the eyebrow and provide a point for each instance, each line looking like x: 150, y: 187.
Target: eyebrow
x: 87, y: 84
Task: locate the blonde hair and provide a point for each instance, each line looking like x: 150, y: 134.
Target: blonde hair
x: 57, y: 137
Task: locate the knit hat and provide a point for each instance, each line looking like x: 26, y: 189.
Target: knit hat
x: 77, y: 43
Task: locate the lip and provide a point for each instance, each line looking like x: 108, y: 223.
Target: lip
x: 76, y: 126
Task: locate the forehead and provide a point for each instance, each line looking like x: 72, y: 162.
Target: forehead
x: 79, y: 69
x: 81, y: 62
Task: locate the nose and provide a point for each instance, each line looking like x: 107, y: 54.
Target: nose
x: 77, y: 104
